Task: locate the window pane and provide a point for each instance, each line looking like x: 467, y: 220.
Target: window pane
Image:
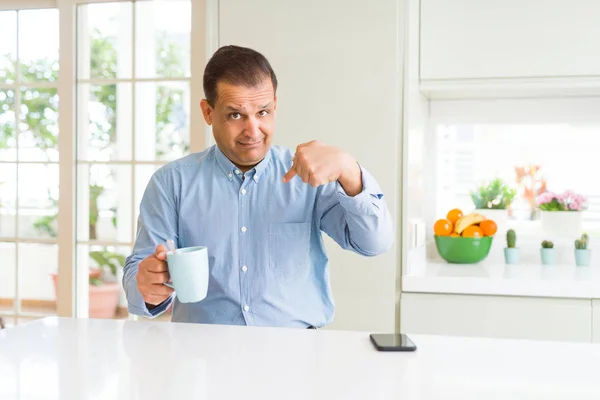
x: 105, y: 40
x: 38, y: 127
x: 8, y: 198
x: 162, y: 120
x: 8, y: 46
x: 104, y: 209
x: 105, y: 125
x: 38, y: 45
x: 471, y: 154
x: 37, y: 265
x: 8, y: 143
x: 163, y: 32
x: 105, y: 265
x: 7, y: 276
x: 38, y: 200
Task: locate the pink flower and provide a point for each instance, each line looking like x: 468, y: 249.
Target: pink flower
x: 568, y: 200
x: 545, y: 197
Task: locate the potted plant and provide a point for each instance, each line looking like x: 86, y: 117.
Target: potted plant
x: 548, y: 253
x: 531, y: 183
x: 582, y: 253
x: 511, y: 252
x: 561, y: 213
x: 492, y: 199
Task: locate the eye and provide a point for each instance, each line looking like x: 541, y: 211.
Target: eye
x: 263, y: 113
x: 235, y: 115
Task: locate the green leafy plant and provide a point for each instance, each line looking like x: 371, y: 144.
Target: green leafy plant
x: 494, y: 195
x: 546, y: 244
x: 511, y: 238
x: 106, y: 259
x: 582, y: 243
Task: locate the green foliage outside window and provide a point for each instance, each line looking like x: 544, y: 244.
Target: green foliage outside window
x: 39, y: 116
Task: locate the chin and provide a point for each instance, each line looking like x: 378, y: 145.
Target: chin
x: 252, y: 156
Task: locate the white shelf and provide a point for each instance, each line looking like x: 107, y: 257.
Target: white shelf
x: 530, y: 280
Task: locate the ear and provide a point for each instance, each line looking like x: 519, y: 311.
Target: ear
x: 275, y: 104
x: 207, y: 111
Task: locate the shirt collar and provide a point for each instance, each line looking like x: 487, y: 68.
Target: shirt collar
x: 230, y: 169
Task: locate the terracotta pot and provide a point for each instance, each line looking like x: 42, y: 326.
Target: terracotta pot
x: 104, y: 299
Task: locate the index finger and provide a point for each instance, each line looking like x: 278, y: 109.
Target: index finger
x: 289, y: 175
x: 157, y: 266
x: 161, y: 252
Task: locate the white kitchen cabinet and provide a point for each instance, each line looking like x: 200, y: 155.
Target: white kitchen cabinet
x: 498, y: 317
x: 492, y: 39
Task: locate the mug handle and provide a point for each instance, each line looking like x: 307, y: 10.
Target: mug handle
x: 169, y: 285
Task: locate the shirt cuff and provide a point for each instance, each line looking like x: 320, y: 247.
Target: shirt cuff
x: 364, y: 203
x: 154, y: 312
x: 159, y: 309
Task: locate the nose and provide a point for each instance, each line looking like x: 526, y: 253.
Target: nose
x: 252, y: 129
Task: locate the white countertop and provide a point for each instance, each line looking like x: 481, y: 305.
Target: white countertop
x: 536, y: 280
x: 82, y: 359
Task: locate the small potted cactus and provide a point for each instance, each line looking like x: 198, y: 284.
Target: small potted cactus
x: 582, y: 253
x: 511, y: 253
x: 548, y: 253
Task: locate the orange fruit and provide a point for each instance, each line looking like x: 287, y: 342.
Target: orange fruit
x: 472, y: 231
x: 488, y: 227
x: 442, y: 227
x: 454, y: 215
x: 454, y: 234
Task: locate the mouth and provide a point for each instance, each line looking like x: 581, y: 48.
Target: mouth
x: 249, y: 145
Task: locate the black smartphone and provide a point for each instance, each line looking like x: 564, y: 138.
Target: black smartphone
x: 392, y: 342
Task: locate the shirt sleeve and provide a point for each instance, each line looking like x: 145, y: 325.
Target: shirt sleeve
x: 157, y: 222
x: 361, y: 223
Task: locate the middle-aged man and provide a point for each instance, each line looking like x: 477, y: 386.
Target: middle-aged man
x: 259, y: 208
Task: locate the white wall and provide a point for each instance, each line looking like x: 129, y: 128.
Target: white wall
x: 338, y: 65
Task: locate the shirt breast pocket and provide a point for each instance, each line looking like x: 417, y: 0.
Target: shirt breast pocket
x: 289, y: 250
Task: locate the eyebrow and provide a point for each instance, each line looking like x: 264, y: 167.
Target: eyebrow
x: 231, y: 108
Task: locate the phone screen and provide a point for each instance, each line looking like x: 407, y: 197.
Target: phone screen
x: 396, y: 341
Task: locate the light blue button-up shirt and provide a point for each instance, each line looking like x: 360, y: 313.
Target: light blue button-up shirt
x: 267, y: 259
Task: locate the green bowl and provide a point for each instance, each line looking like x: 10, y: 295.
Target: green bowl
x: 463, y: 250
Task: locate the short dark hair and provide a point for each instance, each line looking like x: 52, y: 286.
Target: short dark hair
x: 238, y: 66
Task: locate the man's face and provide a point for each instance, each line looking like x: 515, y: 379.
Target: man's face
x: 243, y: 121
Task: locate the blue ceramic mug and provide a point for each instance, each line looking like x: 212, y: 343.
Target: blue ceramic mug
x: 188, y: 268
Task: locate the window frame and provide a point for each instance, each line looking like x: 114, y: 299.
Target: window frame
x: 72, y: 293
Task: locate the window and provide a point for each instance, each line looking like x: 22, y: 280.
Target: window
x: 133, y: 97
x: 473, y: 141
x: 471, y: 154
x: 126, y: 109
x: 29, y: 176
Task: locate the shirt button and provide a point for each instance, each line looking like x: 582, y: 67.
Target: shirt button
x: 243, y: 191
x: 237, y: 171
x: 243, y: 229
x: 246, y: 308
x: 230, y: 175
x: 244, y: 268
